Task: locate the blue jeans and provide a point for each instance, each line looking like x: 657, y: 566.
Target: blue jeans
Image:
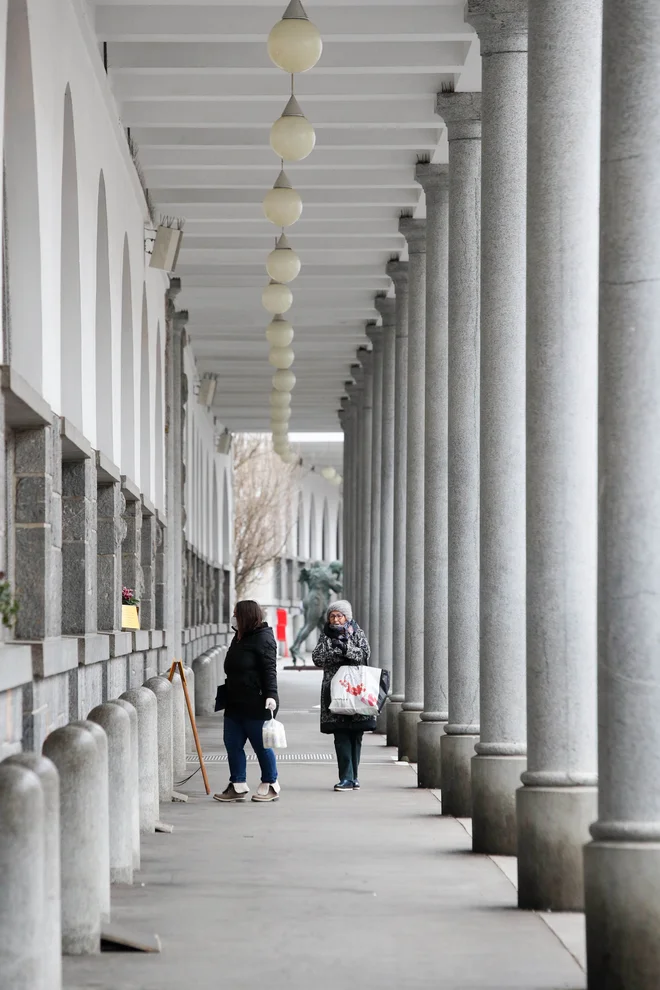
x: 237, y: 731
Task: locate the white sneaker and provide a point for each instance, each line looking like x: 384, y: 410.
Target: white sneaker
x: 267, y: 792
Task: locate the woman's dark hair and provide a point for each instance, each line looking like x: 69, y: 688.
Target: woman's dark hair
x: 249, y: 616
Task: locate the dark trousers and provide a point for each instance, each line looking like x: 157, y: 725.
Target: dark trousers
x: 237, y: 731
x: 348, y: 746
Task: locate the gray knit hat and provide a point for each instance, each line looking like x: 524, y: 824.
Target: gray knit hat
x: 341, y: 606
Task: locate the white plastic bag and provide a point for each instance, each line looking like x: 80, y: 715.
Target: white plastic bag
x: 354, y: 691
x: 274, y: 736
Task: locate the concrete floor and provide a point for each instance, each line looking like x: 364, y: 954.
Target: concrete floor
x: 326, y: 891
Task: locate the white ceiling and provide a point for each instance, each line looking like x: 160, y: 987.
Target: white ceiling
x: 196, y: 87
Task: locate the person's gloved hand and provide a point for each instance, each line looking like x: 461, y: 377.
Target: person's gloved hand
x: 271, y: 704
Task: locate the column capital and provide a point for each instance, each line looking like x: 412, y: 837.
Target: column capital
x: 398, y: 272
x: 461, y: 113
x: 432, y: 177
x: 375, y: 335
x: 357, y: 374
x: 173, y: 289
x: 365, y: 357
x: 386, y: 305
x: 343, y: 402
x: 500, y: 24
x: 180, y: 319
x: 414, y: 232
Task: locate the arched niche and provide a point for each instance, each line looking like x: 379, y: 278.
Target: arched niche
x: 70, y: 313
x: 215, y: 519
x: 103, y: 334
x: 145, y: 400
x: 22, y: 232
x: 159, y: 426
x: 127, y: 369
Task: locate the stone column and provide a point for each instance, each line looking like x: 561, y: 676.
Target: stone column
x: 354, y: 390
x: 462, y: 115
x: 501, y: 751
x: 366, y: 428
x: 174, y: 471
x: 386, y: 308
x: 345, y: 421
x: 415, y: 606
x: 398, y: 272
x: 559, y: 800
x: 434, y: 180
x: 79, y: 553
x: 131, y: 549
x: 375, y: 335
x: 110, y: 531
x: 622, y: 864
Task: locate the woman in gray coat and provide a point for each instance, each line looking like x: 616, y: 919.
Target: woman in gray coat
x: 342, y: 643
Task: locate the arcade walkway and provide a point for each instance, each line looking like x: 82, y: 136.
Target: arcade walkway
x: 374, y: 890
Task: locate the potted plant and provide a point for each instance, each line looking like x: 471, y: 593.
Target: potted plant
x: 130, y: 615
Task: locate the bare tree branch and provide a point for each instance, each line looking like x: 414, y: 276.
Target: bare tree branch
x: 263, y: 498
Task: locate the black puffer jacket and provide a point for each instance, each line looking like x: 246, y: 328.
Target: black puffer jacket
x: 251, y: 673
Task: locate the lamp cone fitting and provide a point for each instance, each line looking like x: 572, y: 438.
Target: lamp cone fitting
x: 295, y: 12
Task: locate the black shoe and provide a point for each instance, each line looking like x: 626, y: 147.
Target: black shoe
x: 356, y: 785
x: 344, y: 785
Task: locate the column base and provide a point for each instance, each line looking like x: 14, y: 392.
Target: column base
x: 457, y: 753
x: 429, y: 760
x: 393, y: 709
x: 495, y: 780
x: 408, y: 735
x: 622, y: 881
x: 553, y: 828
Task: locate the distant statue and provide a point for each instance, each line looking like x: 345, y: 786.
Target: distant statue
x: 321, y: 582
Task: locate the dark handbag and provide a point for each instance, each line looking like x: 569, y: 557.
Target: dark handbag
x: 221, y: 697
x: 384, y: 689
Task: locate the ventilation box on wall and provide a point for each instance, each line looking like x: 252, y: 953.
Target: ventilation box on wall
x: 166, y: 248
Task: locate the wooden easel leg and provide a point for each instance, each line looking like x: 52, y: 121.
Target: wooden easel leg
x: 177, y: 665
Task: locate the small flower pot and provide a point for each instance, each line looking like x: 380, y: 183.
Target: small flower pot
x: 130, y: 617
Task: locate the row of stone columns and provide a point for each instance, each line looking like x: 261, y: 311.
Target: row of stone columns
x: 506, y: 474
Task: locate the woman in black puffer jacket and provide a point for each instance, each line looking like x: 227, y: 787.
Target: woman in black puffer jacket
x: 250, y: 698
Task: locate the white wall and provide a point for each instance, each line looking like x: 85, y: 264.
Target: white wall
x: 64, y: 57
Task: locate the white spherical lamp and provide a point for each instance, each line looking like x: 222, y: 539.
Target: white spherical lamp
x: 282, y: 415
x: 280, y: 400
x: 284, y: 380
x: 290, y: 457
x: 279, y: 332
x: 328, y: 473
x: 283, y: 264
x: 282, y: 205
x: 295, y: 44
x: 337, y: 480
x: 292, y: 136
x: 277, y: 298
x: 281, y: 357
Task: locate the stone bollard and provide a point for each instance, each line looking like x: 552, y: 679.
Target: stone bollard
x: 134, y: 778
x: 144, y: 702
x: 204, y: 686
x: 79, y: 762
x: 22, y: 869
x: 164, y: 696
x: 103, y: 813
x: 179, y: 719
x: 51, y: 937
x: 116, y: 724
